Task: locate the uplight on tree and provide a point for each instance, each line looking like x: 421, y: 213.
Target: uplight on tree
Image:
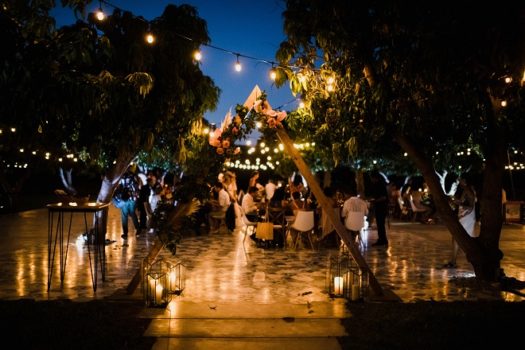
x: 150, y: 38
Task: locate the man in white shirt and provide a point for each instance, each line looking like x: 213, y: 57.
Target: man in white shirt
x: 248, y: 204
x: 219, y: 207
x: 354, y: 211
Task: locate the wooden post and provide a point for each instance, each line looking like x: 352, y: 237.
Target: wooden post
x: 327, y: 207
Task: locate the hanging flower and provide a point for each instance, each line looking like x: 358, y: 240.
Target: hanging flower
x: 220, y: 151
x: 272, y: 123
x: 215, y: 142
x: 237, y: 120
x: 226, y: 143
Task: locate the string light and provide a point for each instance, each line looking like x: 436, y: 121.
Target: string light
x: 238, y: 66
x: 273, y: 74
x: 197, y: 55
x: 99, y: 14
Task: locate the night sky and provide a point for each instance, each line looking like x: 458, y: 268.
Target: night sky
x: 252, y: 28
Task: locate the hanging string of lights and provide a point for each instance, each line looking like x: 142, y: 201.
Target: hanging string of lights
x: 150, y: 38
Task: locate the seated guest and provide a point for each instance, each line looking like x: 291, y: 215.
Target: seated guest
x: 297, y: 203
x: 249, y: 206
x: 278, y: 199
x: 354, y: 211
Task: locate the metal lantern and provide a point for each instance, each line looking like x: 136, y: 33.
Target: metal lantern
x: 176, y: 278
x: 344, y: 278
x: 155, y: 283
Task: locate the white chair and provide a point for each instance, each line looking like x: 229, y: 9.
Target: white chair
x: 303, y: 224
x: 355, y: 221
x: 248, y: 225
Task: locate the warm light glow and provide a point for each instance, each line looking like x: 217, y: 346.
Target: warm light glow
x: 330, y: 88
x: 301, y: 104
x: 150, y: 39
x: 273, y: 74
x: 503, y: 103
x: 238, y: 66
x: 248, y: 142
x: 206, y: 131
x: 100, y: 15
x: 330, y: 80
x: 197, y: 55
x: 21, y: 150
x: 13, y: 129
x: 258, y: 125
x: 508, y: 80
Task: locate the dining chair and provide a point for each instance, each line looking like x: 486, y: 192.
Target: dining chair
x: 355, y: 221
x: 303, y: 225
x: 248, y: 225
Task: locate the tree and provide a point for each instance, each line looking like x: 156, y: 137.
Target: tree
x: 428, y: 79
x: 101, y: 91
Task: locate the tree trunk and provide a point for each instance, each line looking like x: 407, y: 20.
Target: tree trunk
x: 105, y: 194
x: 482, y: 252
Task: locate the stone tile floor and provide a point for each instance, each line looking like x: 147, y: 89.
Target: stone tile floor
x: 220, y: 268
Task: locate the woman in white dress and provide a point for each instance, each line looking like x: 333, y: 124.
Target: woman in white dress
x: 467, y: 216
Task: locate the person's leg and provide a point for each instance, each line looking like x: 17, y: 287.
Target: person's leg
x: 124, y: 218
x: 380, y: 223
x: 133, y: 214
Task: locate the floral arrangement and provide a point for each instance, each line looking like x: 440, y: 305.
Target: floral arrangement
x: 272, y: 118
x: 256, y: 108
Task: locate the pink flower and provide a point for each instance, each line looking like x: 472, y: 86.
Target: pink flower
x: 220, y: 150
x: 271, y: 123
x: 237, y: 150
x: 226, y: 143
x: 281, y: 116
x: 215, y: 142
x: 235, y: 131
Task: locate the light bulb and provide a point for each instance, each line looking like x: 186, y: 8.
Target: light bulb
x: 273, y: 74
x: 150, y: 39
x: 100, y: 15
x: 503, y: 103
x: 238, y: 66
x: 197, y: 55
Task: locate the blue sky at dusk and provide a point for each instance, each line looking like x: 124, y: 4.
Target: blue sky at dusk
x: 251, y: 28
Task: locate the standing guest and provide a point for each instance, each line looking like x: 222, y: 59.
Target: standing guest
x: 142, y: 199
x: 378, y: 197
x: 467, y: 216
x: 229, y: 181
x: 269, y: 189
x: 218, y: 207
x: 124, y: 198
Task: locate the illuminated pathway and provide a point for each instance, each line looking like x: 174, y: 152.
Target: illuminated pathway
x: 220, y: 269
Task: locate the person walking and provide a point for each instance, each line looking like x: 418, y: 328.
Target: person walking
x: 378, y: 198
x: 124, y: 198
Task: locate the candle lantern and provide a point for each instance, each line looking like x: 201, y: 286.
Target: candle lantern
x: 176, y: 278
x: 344, y: 278
x: 155, y: 286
